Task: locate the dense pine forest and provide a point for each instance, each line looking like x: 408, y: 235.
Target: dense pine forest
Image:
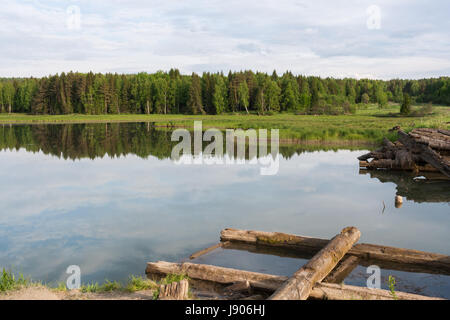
x: 174, y: 93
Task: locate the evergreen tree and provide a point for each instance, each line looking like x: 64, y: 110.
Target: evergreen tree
x: 405, y: 108
x: 195, y: 96
x: 365, y: 98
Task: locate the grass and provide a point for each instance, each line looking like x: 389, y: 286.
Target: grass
x: 140, y: 283
x: 368, y: 124
x: 135, y: 283
x: 391, y: 282
x: 9, y: 282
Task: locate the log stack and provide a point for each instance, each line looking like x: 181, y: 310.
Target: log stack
x: 421, y: 150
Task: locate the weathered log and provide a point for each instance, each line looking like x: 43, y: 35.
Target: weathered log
x: 394, y: 165
x: 216, y: 274
x: 427, y: 154
x: 435, y: 138
x: 444, y: 132
x: 342, y: 270
x: 415, y: 151
x: 174, y: 291
x: 432, y: 141
x: 299, y: 286
x: 385, y: 152
x: 374, y: 155
x: 241, y: 286
x: 254, y: 297
x: 387, y: 143
x: 270, y: 283
x: 384, y: 256
x: 205, y: 251
x: 332, y: 291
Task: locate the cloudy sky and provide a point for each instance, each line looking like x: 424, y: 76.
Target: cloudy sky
x: 353, y: 38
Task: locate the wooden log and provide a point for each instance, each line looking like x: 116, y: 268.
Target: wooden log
x: 433, y: 142
x: 254, y: 297
x: 434, y: 134
x: 427, y: 154
x: 205, y: 251
x: 342, y: 270
x: 394, y: 165
x: 385, y: 152
x: 414, y: 151
x: 270, y: 283
x: 241, y: 286
x: 384, y: 256
x: 174, y: 291
x: 299, y: 286
x: 216, y: 274
x: 387, y: 143
x: 332, y: 291
x: 374, y: 155
x: 444, y: 132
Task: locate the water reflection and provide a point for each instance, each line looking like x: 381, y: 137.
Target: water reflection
x: 109, y: 199
x: 431, y: 187
x: 77, y: 141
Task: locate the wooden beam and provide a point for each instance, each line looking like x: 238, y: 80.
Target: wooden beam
x: 216, y: 274
x: 299, y: 286
x: 270, y: 283
x: 205, y: 251
x: 332, y: 291
x: 342, y: 270
x: 384, y: 256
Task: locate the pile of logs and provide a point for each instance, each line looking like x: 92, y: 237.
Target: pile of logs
x: 426, y: 150
x: 320, y: 278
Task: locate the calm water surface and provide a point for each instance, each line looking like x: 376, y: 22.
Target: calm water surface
x: 109, y: 199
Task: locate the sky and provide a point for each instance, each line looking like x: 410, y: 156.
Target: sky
x: 380, y: 39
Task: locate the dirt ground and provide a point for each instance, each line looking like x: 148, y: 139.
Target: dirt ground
x: 43, y: 293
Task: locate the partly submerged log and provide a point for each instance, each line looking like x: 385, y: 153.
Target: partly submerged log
x: 420, y: 150
x: 342, y: 270
x: 384, y: 256
x: 270, y: 283
x: 205, y: 251
x: 300, y: 285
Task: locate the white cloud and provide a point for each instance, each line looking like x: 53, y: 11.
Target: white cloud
x: 327, y: 38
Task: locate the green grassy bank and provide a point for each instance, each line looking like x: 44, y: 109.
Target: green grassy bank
x: 368, y: 124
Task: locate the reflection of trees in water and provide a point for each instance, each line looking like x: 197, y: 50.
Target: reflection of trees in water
x: 76, y: 141
x: 435, y: 188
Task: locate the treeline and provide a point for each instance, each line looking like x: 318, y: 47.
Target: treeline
x: 171, y: 92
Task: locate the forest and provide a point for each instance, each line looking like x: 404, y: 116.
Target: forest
x: 211, y: 93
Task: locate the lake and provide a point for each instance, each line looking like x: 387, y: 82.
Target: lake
x: 107, y: 197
